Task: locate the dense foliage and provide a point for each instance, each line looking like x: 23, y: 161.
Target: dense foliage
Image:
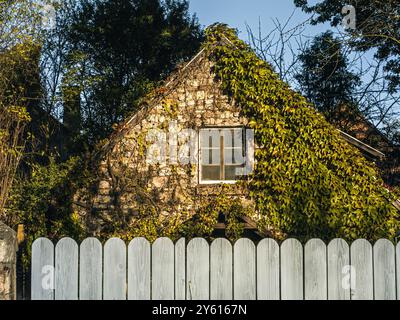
x: 119, y: 50
x: 18, y: 85
x: 19, y: 51
x: 42, y: 202
x: 308, y: 182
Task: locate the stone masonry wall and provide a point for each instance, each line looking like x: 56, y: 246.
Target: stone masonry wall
x: 129, y: 186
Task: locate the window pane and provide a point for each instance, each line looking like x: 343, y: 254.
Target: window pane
x: 233, y: 172
x: 233, y: 137
x: 210, y: 173
x: 211, y: 156
x: 209, y: 138
x: 234, y: 156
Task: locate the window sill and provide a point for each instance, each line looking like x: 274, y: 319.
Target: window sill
x: 217, y: 182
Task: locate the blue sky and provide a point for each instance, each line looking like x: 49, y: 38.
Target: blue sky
x: 255, y: 13
x: 237, y: 13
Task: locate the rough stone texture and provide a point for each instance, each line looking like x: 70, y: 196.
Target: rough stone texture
x: 8, y: 259
x: 128, y: 184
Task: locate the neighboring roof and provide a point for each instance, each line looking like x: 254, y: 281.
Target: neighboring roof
x: 374, y: 153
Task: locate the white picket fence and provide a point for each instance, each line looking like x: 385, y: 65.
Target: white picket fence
x: 220, y: 271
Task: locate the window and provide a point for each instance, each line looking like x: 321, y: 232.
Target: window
x: 224, y: 155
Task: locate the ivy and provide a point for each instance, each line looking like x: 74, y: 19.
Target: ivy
x: 308, y: 182
x: 206, y: 217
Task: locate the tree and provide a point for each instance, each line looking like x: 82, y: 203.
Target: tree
x: 54, y: 56
x: 377, y: 27
x: 326, y: 81
x: 377, y: 30
x: 20, y: 21
x: 119, y: 50
x: 280, y: 45
x: 19, y: 56
x: 13, y: 115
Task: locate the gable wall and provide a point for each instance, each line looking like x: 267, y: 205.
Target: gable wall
x: 129, y: 185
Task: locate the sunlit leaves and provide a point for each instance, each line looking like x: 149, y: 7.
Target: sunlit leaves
x: 308, y: 182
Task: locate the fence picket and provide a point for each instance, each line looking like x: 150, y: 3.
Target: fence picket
x: 338, y: 261
x: 398, y: 269
x: 315, y: 277
x: 244, y: 270
x: 139, y: 269
x: 198, y: 270
x: 384, y: 270
x: 42, y: 270
x: 180, y: 269
x: 114, y: 270
x: 221, y: 270
x: 91, y: 270
x: 163, y: 269
x: 268, y: 287
x: 66, y: 271
x: 361, y: 261
x: 292, y: 270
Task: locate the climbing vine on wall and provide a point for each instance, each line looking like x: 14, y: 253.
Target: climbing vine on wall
x: 141, y: 208
x: 308, y: 182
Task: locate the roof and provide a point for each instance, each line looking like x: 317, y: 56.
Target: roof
x: 374, y: 153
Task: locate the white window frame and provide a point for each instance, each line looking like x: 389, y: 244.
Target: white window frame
x: 211, y: 182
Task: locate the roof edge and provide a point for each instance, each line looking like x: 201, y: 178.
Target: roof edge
x: 359, y: 144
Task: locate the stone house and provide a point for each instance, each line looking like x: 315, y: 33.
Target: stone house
x: 175, y: 155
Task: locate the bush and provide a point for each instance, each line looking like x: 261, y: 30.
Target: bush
x: 42, y: 202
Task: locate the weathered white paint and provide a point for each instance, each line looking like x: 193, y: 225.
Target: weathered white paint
x: 42, y: 270
x: 398, y: 270
x: 221, y: 270
x: 315, y: 276
x: 268, y: 284
x: 244, y: 270
x: 361, y: 261
x: 66, y: 272
x: 163, y: 278
x: 292, y: 270
x: 384, y: 270
x: 339, y: 274
x: 139, y: 266
x: 91, y: 270
x: 198, y: 270
x: 180, y: 269
x: 114, y: 270
x: 164, y: 271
